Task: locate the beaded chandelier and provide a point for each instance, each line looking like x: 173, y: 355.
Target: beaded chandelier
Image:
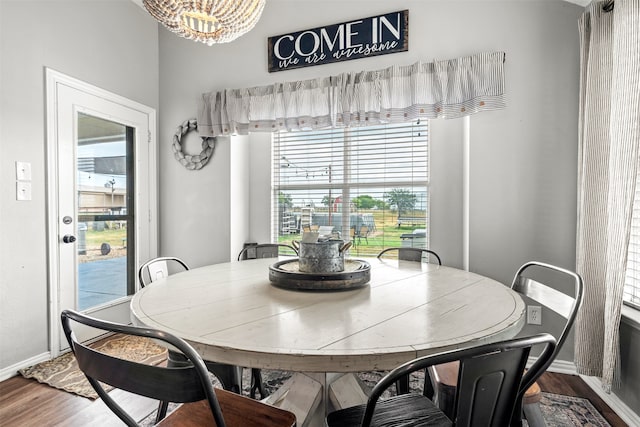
x: 207, y: 21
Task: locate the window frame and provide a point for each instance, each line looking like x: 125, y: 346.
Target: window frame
x: 347, y: 187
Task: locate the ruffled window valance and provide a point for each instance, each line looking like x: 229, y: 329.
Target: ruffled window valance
x: 448, y: 89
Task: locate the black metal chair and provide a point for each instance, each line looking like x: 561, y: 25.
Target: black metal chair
x: 565, y: 305
x: 230, y: 376
x: 264, y: 250
x: 411, y: 254
x: 489, y: 390
x: 189, y: 384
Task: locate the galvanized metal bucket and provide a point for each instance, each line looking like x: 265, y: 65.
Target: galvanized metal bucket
x: 322, y: 257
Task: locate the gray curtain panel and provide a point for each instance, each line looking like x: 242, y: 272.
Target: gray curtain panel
x: 609, y: 142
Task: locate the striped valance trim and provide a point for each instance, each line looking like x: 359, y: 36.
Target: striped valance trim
x: 440, y: 89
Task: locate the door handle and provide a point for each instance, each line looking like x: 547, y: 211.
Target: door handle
x: 68, y: 238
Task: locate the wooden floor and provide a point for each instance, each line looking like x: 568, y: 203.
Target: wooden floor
x: 573, y: 385
x: 25, y: 402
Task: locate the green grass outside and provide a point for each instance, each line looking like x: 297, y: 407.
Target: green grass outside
x: 112, y: 236
x: 387, y: 234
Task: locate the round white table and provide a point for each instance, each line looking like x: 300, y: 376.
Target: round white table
x: 231, y: 313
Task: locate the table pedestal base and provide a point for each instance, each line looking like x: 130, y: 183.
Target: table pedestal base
x: 311, y: 396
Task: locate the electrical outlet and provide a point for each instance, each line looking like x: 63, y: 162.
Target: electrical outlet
x: 534, y: 315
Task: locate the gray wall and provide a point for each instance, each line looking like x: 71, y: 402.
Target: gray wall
x: 110, y: 44
x: 629, y: 388
x: 519, y: 209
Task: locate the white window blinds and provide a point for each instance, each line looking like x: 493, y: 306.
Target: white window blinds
x: 370, y: 184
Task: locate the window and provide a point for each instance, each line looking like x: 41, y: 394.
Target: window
x: 369, y: 185
x: 632, y: 281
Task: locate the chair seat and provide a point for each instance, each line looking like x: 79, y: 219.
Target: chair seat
x: 532, y: 395
x: 408, y: 410
x: 238, y: 411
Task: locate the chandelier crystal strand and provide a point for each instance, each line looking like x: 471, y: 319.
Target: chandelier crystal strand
x: 207, y: 21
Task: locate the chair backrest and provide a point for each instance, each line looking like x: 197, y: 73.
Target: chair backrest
x: 158, y: 268
x: 264, y: 250
x: 169, y: 384
x: 411, y: 254
x: 560, y: 302
x: 490, y: 381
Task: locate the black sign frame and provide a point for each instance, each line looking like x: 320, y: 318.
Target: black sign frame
x: 360, y: 38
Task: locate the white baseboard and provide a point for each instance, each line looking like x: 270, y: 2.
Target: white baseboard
x: 563, y: 367
x: 12, y: 371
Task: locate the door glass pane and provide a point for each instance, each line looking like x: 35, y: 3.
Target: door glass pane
x: 104, y: 214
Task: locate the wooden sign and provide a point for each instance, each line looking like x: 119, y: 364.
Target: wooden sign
x: 361, y: 38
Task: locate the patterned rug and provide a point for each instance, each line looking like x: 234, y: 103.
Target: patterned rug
x: 63, y: 373
x: 559, y: 410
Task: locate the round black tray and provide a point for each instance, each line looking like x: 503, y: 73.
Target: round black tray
x: 286, y: 274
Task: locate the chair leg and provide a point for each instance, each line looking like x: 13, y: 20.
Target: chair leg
x: 402, y: 385
x: 162, y: 411
x: 444, y: 398
x: 230, y: 376
x: 533, y: 415
x: 257, y: 385
x: 428, y: 390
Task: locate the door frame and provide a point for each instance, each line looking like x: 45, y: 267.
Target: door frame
x: 147, y: 210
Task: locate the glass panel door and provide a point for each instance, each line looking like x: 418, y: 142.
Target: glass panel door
x: 105, y: 226
x: 102, y: 201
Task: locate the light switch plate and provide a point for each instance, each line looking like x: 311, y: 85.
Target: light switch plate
x: 23, y: 190
x: 23, y: 171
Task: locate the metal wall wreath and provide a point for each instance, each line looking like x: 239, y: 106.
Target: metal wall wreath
x: 188, y: 161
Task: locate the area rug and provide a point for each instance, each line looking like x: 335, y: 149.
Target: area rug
x: 559, y: 410
x: 63, y: 373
